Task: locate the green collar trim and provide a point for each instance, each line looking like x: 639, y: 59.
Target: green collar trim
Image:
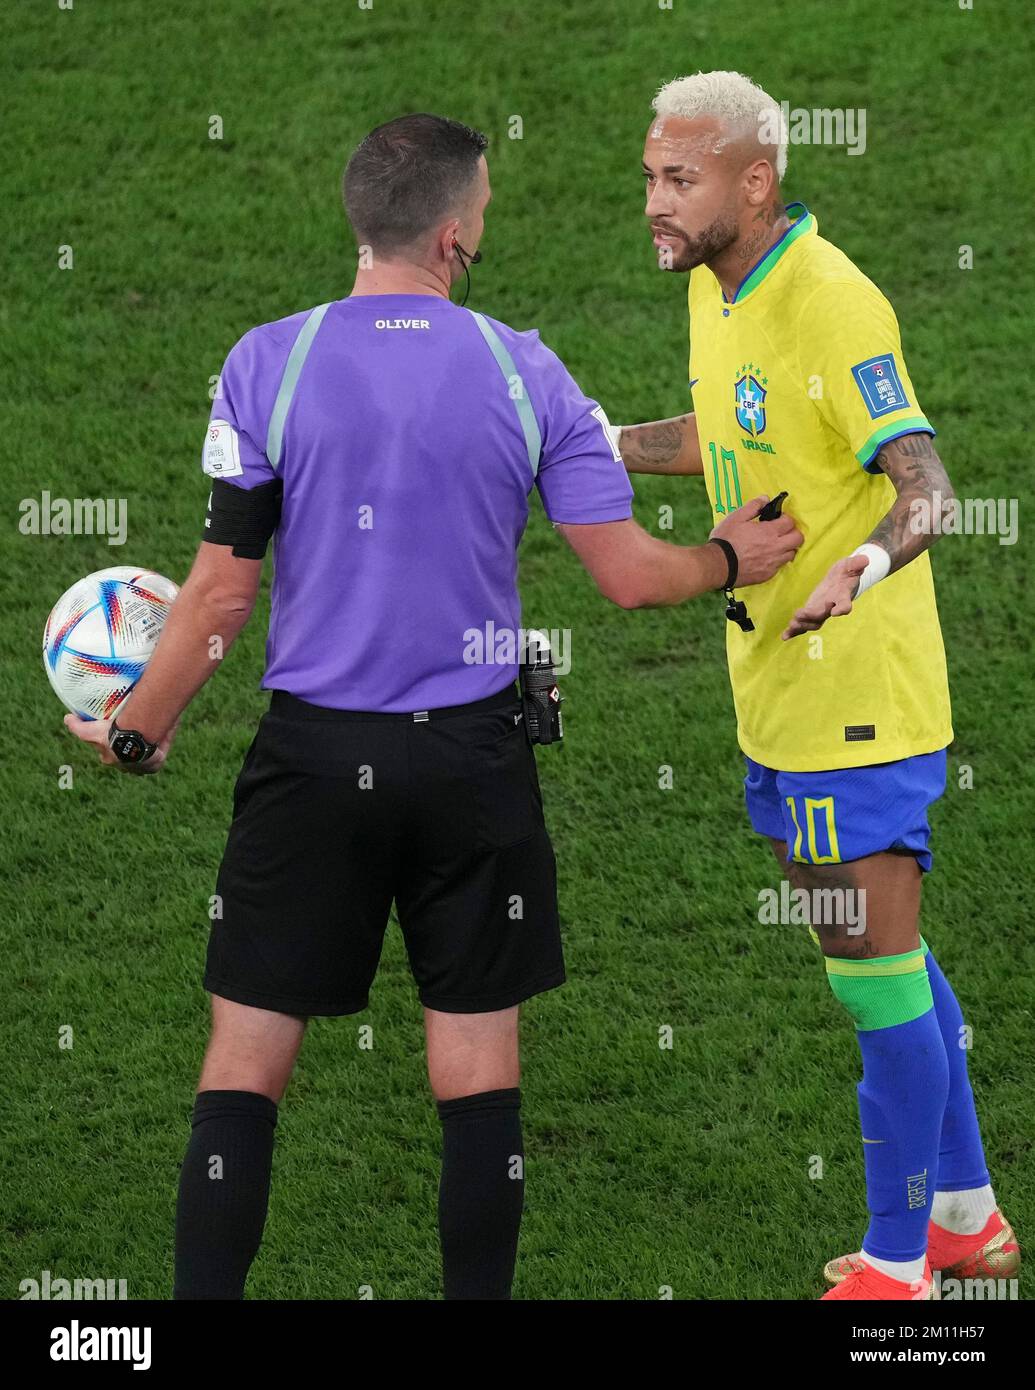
x: 802, y: 222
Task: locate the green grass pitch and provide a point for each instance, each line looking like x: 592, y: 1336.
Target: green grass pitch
x: 687, y: 1168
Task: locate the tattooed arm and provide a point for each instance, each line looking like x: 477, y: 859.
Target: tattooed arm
x: 903, y: 533
x: 922, y: 486
x: 662, y: 446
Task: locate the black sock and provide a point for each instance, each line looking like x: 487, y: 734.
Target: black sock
x: 481, y: 1193
x: 224, y: 1192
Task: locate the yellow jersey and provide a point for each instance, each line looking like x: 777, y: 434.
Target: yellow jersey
x: 797, y: 383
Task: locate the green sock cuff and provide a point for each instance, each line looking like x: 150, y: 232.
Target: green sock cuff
x: 906, y: 963
x: 882, y: 993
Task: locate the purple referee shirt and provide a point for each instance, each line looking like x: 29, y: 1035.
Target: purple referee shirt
x: 406, y: 469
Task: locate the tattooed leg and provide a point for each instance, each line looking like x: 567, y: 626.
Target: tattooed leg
x: 885, y: 901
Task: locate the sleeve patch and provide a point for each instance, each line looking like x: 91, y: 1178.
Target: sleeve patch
x: 605, y: 424
x: 880, y: 386
x: 222, y: 456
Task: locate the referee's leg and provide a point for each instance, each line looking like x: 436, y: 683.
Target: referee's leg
x: 225, y: 1178
x: 474, y: 1072
x: 477, y: 900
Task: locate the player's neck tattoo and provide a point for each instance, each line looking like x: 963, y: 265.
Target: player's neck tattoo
x: 767, y: 227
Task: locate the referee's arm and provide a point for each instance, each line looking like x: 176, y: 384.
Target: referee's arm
x: 213, y: 606
x: 636, y: 570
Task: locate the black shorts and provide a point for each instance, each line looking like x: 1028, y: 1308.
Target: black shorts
x: 337, y: 813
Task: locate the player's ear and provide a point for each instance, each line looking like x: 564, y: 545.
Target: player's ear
x: 759, y: 179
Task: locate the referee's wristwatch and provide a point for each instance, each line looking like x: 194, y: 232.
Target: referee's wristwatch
x: 130, y: 746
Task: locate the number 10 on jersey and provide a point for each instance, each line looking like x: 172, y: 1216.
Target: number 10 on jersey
x: 727, y: 460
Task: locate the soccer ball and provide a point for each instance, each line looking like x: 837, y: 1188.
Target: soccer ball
x: 100, y: 636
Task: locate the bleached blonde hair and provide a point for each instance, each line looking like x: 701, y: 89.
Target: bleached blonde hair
x: 730, y: 97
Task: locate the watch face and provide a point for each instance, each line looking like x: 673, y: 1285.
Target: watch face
x: 123, y: 746
x: 130, y: 747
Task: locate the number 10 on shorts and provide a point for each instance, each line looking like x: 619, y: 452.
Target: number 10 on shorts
x: 806, y: 816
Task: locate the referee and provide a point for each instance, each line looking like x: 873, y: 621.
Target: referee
x: 388, y: 442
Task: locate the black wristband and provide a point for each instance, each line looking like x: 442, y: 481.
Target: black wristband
x: 731, y: 560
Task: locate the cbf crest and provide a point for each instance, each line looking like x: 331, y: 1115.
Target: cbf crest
x: 749, y: 395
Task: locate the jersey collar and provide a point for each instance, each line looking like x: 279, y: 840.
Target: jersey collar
x: 802, y: 222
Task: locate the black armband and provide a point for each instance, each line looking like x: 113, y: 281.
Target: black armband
x: 243, y: 517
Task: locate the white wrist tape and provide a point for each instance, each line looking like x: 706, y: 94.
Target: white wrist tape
x: 876, y: 570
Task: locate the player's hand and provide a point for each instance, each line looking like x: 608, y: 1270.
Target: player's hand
x: 830, y: 599
x: 761, y: 546
x: 97, y: 731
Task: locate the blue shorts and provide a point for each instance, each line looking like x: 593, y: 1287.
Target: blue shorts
x: 848, y: 813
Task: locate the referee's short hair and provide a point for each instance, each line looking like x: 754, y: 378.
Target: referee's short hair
x: 406, y: 176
